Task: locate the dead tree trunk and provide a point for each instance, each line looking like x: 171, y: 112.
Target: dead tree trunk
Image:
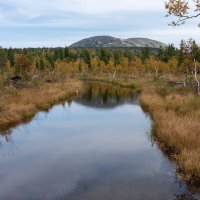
x: 195, y: 76
x: 114, y: 74
x: 156, y: 73
x: 184, y: 81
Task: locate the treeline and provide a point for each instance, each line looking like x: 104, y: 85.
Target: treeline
x: 61, y: 61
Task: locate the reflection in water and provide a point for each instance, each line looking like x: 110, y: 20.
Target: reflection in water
x: 107, y: 96
x: 6, y: 137
x: 76, y: 153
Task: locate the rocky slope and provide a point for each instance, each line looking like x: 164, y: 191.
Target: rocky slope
x: 109, y: 41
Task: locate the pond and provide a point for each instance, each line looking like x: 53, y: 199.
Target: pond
x: 95, y: 147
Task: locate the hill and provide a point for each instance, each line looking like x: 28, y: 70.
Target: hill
x: 109, y: 41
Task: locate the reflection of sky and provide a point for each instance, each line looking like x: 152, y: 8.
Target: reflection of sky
x: 80, y: 153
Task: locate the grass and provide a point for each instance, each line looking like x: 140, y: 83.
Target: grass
x: 176, y: 116
x: 175, y: 113
x: 18, y: 105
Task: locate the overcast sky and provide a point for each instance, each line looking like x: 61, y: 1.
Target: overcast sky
x: 37, y: 23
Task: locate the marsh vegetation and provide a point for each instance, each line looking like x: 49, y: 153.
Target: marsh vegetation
x: 167, y: 80
x: 96, y: 146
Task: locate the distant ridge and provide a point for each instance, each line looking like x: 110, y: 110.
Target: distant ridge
x: 109, y: 41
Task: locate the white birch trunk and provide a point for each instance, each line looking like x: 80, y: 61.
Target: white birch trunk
x: 195, y: 76
x: 114, y: 74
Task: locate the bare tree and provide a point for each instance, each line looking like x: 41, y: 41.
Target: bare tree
x: 183, y: 10
x: 195, y: 75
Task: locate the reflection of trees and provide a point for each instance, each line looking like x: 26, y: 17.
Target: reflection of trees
x: 186, y: 196
x: 89, y: 94
x: 106, y: 95
x: 5, y: 132
x: 69, y: 102
x: 117, y: 97
x: 191, y: 192
x: 6, y: 135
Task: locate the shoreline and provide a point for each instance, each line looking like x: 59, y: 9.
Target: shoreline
x: 174, y: 115
x: 21, y: 105
x: 175, y: 122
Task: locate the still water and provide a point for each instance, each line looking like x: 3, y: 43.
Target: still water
x: 96, y: 147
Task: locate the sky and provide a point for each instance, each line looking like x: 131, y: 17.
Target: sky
x: 52, y: 23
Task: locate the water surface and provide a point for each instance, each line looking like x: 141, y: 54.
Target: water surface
x: 96, y: 147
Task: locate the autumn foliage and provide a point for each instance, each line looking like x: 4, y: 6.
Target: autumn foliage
x: 182, y: 10
x: 58, y: 62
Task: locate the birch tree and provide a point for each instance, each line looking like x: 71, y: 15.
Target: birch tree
x: 182, y: 10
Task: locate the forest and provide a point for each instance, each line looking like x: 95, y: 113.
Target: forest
x: 50, y: 63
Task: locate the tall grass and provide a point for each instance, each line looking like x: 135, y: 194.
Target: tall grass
x: 20, y: 104
x: 175, y: 112
x: 176, y: 117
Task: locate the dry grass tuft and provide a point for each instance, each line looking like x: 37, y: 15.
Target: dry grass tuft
x: 22, y: 104
x: 176, y: 119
